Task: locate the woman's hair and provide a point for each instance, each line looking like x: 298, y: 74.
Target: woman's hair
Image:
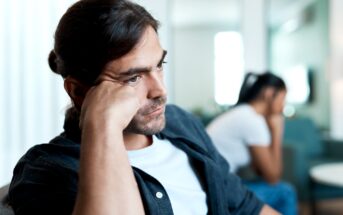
x: 254, y: 84
x: 94, y: 32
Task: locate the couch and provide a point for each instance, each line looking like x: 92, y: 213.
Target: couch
x: 304, y: 147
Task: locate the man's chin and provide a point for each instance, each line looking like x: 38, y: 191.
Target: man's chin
x: 146, y: 128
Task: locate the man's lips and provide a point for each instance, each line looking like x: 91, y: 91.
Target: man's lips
x: 157, y: 110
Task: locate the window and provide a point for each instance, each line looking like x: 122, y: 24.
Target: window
x: 32, y: 99
x: 298, y: 82
x: 229, y: 67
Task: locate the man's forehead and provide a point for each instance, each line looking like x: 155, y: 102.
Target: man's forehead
x: 126, y: 63
x: 147, y: 53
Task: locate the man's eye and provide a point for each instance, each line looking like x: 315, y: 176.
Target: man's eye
x: 134, y: 80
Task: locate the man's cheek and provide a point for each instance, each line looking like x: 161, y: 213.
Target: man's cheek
x: 141, y: 93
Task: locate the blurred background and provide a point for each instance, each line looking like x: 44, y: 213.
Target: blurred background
x: 211, y: 45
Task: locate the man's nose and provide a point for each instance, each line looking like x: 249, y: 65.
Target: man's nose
x: 155, y: 85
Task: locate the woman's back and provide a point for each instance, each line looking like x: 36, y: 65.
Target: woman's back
x: 237, y: 129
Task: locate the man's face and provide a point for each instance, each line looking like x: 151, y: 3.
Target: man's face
x: 142, y: 68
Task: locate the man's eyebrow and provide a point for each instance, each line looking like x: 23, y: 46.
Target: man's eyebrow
x: 139, y: 70
x: 164, y: 54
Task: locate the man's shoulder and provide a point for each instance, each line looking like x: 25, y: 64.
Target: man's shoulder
x: 46, y: 173
x: 59, y: 152
x: 174, y: 110
x: 181, y: 124
x: 180, y: 120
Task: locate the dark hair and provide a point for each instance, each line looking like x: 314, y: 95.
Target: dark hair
x: 94, y: 32
x: 254, y: 84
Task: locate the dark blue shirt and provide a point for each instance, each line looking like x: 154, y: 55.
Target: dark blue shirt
x: 46, y: 177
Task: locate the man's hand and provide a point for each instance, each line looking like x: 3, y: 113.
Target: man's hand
x: 109, y: 102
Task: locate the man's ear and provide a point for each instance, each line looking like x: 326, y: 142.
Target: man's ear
x: 76, y: 91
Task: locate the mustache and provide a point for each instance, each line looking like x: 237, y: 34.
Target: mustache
x: 153, y: 105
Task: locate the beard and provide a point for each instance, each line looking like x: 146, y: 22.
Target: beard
x: 145, y: 121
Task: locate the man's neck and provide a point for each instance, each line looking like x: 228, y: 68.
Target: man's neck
x: 136, y: 141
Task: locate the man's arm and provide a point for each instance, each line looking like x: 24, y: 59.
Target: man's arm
x: 106, y: 181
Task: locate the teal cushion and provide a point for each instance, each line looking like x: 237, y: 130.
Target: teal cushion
x: 303, y: 131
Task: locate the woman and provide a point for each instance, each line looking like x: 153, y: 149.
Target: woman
x: 250, y: 135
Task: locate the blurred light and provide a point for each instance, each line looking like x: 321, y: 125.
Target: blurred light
x: 298, y: 84
x: 291, y: 25
x: 289, y: 111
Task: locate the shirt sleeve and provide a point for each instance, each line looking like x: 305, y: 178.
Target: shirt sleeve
x: 256, y: 132
x: 42, y: 187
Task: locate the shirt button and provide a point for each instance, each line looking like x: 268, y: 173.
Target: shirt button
x: 159, y: 195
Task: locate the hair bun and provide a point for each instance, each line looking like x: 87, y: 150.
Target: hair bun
x: 53, y: 62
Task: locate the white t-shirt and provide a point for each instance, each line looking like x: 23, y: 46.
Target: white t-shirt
x: 171, y: 167
x: 234, y: 131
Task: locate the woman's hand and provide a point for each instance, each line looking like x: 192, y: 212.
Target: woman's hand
x: 276, y: 124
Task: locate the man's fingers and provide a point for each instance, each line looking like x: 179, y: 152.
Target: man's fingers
x: 107, y: 80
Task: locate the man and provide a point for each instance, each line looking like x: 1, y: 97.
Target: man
x: 123, y: 150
